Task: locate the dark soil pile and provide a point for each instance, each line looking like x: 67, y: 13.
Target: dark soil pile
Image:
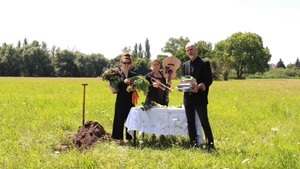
x: 89, y: 134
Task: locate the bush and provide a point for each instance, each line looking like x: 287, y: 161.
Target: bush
x: 277, y: 73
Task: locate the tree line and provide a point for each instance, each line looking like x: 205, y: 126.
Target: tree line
x: 239, y: 55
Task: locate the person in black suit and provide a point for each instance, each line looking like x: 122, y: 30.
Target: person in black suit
x: 123, y: 102
x: 197, y: 99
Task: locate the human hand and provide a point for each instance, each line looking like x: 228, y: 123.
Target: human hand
x: 195, y: 88
x: 156, y: 85
x: 113, y: 90
x: 202, y: 86
x: 198, y: 87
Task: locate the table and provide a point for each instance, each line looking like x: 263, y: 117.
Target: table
x: 162, y: 121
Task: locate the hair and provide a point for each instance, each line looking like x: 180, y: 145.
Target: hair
x: 128, y: 57
x: 191, y: 44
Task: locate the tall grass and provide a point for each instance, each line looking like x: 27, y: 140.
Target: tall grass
x: 255, y: 124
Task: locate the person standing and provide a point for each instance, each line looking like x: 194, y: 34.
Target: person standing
x: 123, y: 102
x: 157, y: 92
x: 197, y: 99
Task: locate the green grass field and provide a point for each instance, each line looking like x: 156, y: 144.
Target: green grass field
x: 255, y: 124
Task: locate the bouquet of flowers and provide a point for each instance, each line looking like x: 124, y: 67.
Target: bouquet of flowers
x: 152, y: 104
x: 139, y: 83
x: 113, y: 76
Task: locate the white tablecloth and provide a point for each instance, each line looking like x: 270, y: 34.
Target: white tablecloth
x: 163, y: 121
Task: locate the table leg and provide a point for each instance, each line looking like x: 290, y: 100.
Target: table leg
x: 134, y: 137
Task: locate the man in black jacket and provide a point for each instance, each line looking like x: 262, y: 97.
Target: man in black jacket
x: 196, y: 100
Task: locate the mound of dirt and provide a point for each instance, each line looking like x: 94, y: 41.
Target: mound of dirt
x: 89, y: 134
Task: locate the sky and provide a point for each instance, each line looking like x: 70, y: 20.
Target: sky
x: 106, y: 27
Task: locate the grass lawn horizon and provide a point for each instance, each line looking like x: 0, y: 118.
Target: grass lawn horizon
x: 254, y: 122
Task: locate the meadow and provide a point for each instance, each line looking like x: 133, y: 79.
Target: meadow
x: 254, y: 122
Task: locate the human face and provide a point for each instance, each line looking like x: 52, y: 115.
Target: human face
x: 126, y: 63
x: 191, y: 51
x: 155, y: 66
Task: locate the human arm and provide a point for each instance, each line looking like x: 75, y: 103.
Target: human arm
x: 204, y: 78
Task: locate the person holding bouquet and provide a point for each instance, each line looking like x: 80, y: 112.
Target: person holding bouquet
x: 123, y: 102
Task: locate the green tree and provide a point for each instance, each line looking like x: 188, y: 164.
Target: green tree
x: 134, y: 53
x: 280, y: 64
x: 140, y: 51
x: 115, y: 62
x: 10, y: 61
x: 19, y: 45
x: 65, y: 65
x: 82, y: 63
x: 224, y: 60
x: 292, y: 71
x: 91, y: 65
x: 161, y: 57
x: 176, y: 47
x: 25, y: 42
x: 297, y: 63
x: 37, y: 60
x: 142, y: 66
x: 216, y: 69
x: 204, y: 49
x: 53, y: 52
x: 147, y: 49
x: 246, y: 52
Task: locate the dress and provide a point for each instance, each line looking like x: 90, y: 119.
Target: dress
x: 199, y: 69
x: 156, y: 94
x: 123, y: 105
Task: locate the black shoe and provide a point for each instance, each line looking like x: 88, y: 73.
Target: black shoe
x: 193, y: 144
x: 162, y: 137
x: 210, y: 147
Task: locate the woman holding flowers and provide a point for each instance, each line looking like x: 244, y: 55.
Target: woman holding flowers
x: 123, y: 102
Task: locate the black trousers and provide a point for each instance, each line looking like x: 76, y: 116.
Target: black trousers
x: 118, y: 124
x: 202, y: 113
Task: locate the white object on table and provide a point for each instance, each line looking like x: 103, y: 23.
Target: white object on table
x: 162, y: 121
